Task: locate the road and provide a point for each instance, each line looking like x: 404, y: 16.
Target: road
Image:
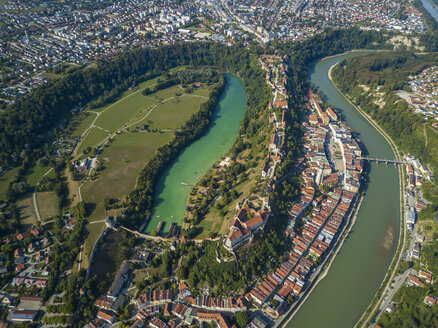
x: 398, y: 282
x: 402, y: 239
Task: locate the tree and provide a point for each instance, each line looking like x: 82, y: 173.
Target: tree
x: 20, y: 187
x: 79, y: 210
x: 43, y: 161
x: 106, y: 203
x: 242, y: 318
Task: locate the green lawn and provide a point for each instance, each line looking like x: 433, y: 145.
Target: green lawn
x: 35, y: 174
x: 124, y: 158
x: 51, y: 76
x: 92, y: 138
x: 47, y: 204
x: 170, y: 114
x: 140, y: 275
x: 82, y: 122
x: 121, y: 113
x: 93, y: 232
x: 140, y: 87
x: 4, y: 182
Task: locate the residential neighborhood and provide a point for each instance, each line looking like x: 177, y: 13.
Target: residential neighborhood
x: 41, y: 39
x: 423, y: 97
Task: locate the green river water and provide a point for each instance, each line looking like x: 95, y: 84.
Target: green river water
x: 356, y: 273
x: 171, y: 196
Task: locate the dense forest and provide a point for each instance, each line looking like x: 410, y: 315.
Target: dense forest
x: 389, y: 72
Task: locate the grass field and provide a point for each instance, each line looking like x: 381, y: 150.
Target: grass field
x: 73, y: 187
x: 26, y: 210
x: 128, y: 152
x: 82, y: 122
x: 140, y: 275
x: 123, y: 160
x: 4, y: 181
x: 93, y: 232
x: 124, y: 111
x: 92, y: 138
x: 170, y: 114
x: 47, y: 204
x: 35, y: 174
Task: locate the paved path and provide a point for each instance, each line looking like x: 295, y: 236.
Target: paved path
x: 425, y: 136
x: 103, y: 142
x: 97, y: 116
x: 398, y: 282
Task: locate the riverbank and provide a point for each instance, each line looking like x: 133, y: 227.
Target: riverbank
x: 325, y: 267
x: 176, y: 181
x: 402, y: 241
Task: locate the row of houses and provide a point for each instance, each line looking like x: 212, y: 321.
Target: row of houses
x: 155, y: 297
x: 227, y: 304
x: 182, y: 314
x: 322, y: 225
x: 109, y: 304
x: 317, y: 236
x: 29, y: 282
x: 247, y: 221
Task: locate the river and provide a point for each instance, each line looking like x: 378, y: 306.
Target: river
x: 171, y: 196
x: 431, y: 8
x: 358, y: 270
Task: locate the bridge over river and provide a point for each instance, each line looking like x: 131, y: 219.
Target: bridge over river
x: 382, y: 160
